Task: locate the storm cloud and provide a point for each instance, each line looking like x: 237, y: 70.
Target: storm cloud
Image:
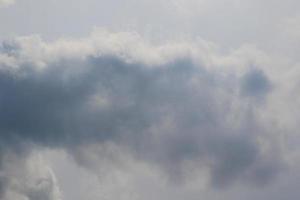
x: 166, y: 105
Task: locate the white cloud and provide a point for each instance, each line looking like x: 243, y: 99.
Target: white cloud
x: 27, y: 178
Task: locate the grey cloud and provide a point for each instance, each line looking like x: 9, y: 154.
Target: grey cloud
x: 165, y: 114
x: 255, y: 83
x: 27, y: 178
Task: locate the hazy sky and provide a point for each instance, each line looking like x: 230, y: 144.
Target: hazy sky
x: 149, y: 99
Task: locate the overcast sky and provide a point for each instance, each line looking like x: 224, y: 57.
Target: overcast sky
x: 149, y: 99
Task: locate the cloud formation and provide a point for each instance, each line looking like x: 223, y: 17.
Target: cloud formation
x: 167, y: 105
x: 27, y: 177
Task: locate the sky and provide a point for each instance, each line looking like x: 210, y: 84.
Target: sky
x: 149, y: 99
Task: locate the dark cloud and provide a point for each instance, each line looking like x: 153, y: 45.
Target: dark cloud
x: 165, y: 114
x: 255, y: 84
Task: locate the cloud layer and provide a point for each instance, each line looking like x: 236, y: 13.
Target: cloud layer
x: 175, y: 106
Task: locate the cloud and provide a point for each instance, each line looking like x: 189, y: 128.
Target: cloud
x: 167, y: 105
x: 27, y: 178
x: 255, y: 84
